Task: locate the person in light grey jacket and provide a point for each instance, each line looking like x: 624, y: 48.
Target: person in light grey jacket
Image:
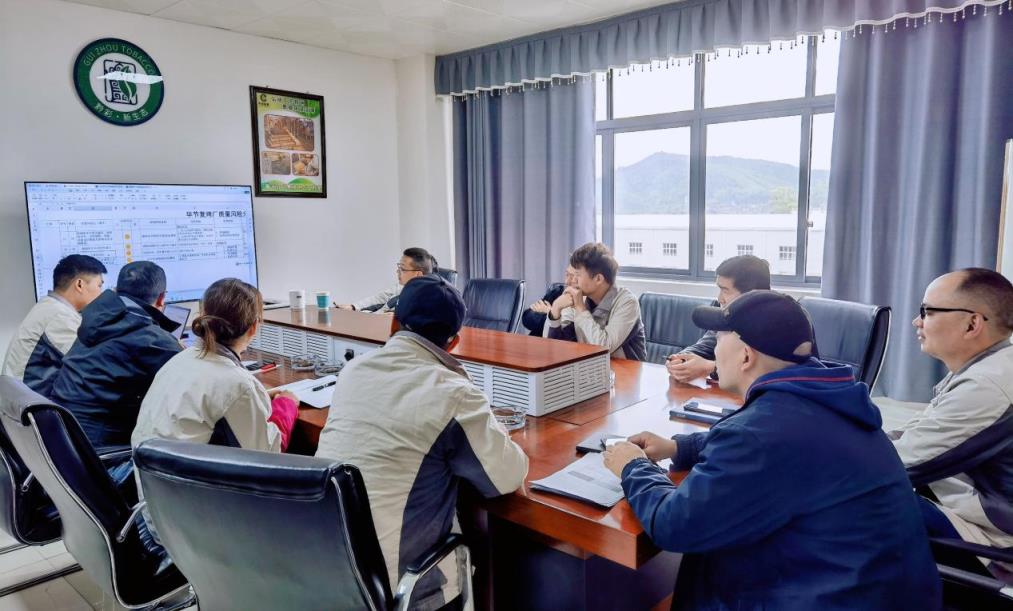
x: 414, y: 262
x: 961, y: 445
x: 596, y: 311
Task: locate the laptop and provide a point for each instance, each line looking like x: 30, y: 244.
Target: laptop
x: 178, y: 314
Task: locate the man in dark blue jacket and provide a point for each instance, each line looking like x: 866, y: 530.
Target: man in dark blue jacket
x: 123, y: 340
x: 796, y: 501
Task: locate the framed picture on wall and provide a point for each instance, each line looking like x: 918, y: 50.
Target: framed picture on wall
x: 289, y: 150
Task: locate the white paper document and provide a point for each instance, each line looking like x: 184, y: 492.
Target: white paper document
x: 586, y: 479
x: 699, y: 383
x: 316, y: 393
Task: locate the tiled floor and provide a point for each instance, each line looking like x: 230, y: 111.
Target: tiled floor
x: 77, y: 592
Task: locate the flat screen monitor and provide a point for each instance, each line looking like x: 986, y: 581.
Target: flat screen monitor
x: 197, y: 233
x: 179, y: 315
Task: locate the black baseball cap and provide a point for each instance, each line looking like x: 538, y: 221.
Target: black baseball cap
x: 770, y: 322
x: 431, y: 307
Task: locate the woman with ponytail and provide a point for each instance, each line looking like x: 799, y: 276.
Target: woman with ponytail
x: 205, y: 395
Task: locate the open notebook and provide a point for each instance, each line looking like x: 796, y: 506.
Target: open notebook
x: 587, y: 479
x: 316, y: 392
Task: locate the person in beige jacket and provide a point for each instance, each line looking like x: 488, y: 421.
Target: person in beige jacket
x: 409, y: 418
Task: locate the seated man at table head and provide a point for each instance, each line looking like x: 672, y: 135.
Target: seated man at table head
x: 596, y: 311
x: 533, y: 318
x: 735, y: 276
x: 409, y: 418
x: 958, y: 446
x: 797, y: 500
x: 414, y: 263
x: 123, y: 341
x: 50, y: 328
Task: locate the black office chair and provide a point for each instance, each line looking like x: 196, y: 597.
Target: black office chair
x: 279, y: 531
x: 668, y: 323
x: 99, y: 524
x: 972, y: 589
x: 450, y: 275
x: 494, y: 303
x: 849, y: 333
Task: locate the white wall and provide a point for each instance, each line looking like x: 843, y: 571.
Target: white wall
x: 346, y: 243
x: 424, y: 160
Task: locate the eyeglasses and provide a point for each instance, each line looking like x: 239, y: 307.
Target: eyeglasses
x: 923, y: 310
x: 400, y: 268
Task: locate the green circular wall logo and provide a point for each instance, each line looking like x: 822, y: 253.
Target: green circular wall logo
x: 118, y: 82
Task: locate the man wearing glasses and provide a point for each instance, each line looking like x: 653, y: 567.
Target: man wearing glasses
x: 414, y: 262
x: 959, y: 448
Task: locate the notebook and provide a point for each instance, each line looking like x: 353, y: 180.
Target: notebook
x: 587, y: 479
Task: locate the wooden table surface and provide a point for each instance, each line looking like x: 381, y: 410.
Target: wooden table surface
x: 521, y: 352
x: 640, y: 400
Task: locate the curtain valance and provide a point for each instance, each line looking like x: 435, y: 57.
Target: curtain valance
x: 680, y: 30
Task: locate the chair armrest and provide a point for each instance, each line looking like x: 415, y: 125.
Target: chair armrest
x: 427, y: 562
x: 114, y: 454
x: 983, y: 551
x: 975, y: 581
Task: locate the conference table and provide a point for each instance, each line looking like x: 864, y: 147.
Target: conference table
x: 539, y: 550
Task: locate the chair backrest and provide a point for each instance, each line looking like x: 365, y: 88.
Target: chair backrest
x: 450, y: 275
x: 850, y: 333
x: 276, y: 531
x: 668, y: 323
x: 92, y: 509
x: 494, y: 303
x: 26, y: 513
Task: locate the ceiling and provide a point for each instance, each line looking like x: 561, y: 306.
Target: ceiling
x: 383, y: 28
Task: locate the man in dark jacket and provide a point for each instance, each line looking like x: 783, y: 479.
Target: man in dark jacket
x: 123, y: 340
x: 798, y: 500
x: 533, y: 318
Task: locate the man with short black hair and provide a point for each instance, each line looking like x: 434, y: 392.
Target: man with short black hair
x: 123, y: 341
x: 596, y: 311
x: 796, y: 501
x: 50, y: 329
x: 414, y: 262
x: 409, y: 418
x: 959, y: 447
x: 735, y: 276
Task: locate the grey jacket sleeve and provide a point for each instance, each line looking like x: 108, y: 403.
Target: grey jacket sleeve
x: 955, y: 432
x: 379, y: 299
x: 704, y: 347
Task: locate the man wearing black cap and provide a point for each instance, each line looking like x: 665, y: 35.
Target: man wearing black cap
x: 409, y: 418
x: 797, y: 500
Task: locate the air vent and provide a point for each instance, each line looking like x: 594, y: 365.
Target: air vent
x: 476, y: 372
x: 270, y: 339
x: 558, y: 388
x: 319, y: 345
x: 510, y: 388
x: 293, y: 342
x: 592, y: 377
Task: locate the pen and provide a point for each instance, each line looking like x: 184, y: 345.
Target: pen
x: 323, y: 386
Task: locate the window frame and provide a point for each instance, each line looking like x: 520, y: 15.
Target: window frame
x: 698, y: 119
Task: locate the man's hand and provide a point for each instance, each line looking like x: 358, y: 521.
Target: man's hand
x: 686, y: 367
x: 541, y: 306
x: 577, y: 296
x: 345, y: 306
x: 619, y: 455
x: 655, y: 447
x: 563, y: 301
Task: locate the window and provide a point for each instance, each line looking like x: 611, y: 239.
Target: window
x: 725, y: 155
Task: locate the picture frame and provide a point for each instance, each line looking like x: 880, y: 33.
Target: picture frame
x: 289, y: 143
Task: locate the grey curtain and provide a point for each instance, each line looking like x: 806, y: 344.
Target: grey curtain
x: 523, y: 182
x: 672, y: 30
x: 915, y: 184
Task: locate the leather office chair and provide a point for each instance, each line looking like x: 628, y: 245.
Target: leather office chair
x: 850, y: 333
x: 26, y: 513
x: 450, y: 275
x: 494, y: 303
x: 668, y: 323
x: 972, y: 589
x: 99, y: 527
x: 280, y: 532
